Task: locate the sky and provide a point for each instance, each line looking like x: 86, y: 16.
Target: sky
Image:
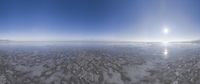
x: 99, y: 20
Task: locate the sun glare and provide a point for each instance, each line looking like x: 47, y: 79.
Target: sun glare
x: 166, y: 30
x: 165, y: 43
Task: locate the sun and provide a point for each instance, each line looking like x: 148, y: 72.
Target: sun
x: 166, y: 30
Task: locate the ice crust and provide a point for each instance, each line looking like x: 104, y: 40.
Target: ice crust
x: 100, y: 64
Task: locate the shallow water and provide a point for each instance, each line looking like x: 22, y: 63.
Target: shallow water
x: 99, y: 63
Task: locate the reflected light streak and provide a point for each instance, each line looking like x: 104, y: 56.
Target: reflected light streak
x: 165, y: 53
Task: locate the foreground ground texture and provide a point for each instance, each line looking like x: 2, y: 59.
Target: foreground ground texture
x: 136, y: 63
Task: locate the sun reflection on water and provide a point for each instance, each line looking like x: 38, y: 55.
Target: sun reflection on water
x: 165, y: 53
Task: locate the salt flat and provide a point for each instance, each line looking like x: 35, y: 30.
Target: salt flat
x: 99, y: 63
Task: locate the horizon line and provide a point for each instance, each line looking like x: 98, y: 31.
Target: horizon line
x: 110, y: 41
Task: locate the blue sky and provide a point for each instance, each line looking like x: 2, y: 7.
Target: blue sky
x: 112, y: 20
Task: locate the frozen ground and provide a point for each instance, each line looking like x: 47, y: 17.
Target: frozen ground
x: 136, y: 63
